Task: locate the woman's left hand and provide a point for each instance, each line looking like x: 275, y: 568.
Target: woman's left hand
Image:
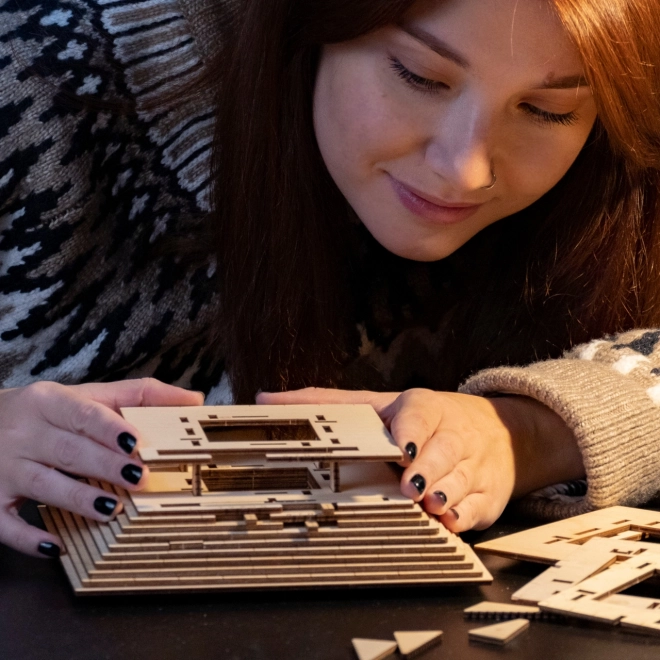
x: 466, y: 456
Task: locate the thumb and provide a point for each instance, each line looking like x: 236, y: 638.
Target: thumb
x: 320, y: 395
x: 139, y: 392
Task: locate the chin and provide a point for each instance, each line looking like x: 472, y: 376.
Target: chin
x: 417, y: 252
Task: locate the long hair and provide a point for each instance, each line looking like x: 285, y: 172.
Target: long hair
x: 580, y: 262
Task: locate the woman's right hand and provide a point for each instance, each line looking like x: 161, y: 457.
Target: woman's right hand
x: 77, y: 429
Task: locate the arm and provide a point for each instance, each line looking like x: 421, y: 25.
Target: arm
x: 607, y: 393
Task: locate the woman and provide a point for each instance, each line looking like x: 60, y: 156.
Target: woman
x: 470, y: 184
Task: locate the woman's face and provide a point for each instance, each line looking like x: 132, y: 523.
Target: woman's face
x: 414, y: 120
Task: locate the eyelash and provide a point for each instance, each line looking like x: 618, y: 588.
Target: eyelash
x: 415, y: 81
x: 427, y: 86
x: 544, y: 117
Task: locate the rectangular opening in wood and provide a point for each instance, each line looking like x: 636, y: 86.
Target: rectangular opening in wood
x: 261, y: 479
x: 244, y: 430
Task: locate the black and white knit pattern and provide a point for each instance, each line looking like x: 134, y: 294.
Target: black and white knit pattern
x: 86, y: 193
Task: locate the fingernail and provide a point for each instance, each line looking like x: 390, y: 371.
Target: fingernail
x: 105, y: 505
x: 411, y: 450
x: 441, y: 496
x: 455, y: 513
x: 49, y: 549
x: 419, y: 482
x: 132, y: 473
x: 127, y: 442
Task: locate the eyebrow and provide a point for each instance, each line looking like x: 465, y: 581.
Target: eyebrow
x: 435, y: 44
x: 568, y: 82
x: 441, y: 48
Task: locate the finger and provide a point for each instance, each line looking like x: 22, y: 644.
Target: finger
x: 42, y: 484
x: 411, y: 429
x: 139, y: 392
x: 19, y: 535
x: 320, y: 395
x: 447, y: 492
x: 68, y: 410
x: 76, y: 455
x: 473, y: 512
x: 437, y: 458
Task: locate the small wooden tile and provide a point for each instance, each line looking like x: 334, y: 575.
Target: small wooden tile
x: 501, y: 611
x: 414, y: 642
x: 373, y: 649
x: 499, y: 633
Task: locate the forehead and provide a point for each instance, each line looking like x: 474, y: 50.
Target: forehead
x: 522, y: 35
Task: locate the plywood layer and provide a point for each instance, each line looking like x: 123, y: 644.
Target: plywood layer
x: 127, y: 557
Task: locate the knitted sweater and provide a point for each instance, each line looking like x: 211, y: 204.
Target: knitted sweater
x: 87, y: 194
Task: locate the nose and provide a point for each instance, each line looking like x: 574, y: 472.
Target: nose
x: 458, y: 151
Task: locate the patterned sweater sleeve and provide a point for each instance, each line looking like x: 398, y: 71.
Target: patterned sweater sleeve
x: 608, y: 393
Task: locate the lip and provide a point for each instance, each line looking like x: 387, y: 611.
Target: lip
x: 431, y: 208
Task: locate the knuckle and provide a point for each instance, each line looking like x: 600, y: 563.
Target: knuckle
x: 66, y: 451
x: 144, y: 385
x: 418, y: 396
x: 36, y: 478
x: 468, y: 514
x: 81, y: 417
x: 415, y: 421
x: 443, y: 454
x: 42, y: 390
x: 462, y: 481
x: 79, y: 497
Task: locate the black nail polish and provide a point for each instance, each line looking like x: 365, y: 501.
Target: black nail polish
x: 411, y: 450
x: 127, y: 442
x: 49, y: 549
x: 419, y: 482
x: 455, y: 513
x: 105, y: 505
x: 441, y: 496
x: 132, y: 473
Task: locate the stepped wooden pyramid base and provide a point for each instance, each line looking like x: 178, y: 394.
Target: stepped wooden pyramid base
x: 244, y: 531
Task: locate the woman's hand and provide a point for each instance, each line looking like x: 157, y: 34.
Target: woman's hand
x: 468, y: 455
x: 76, y: 429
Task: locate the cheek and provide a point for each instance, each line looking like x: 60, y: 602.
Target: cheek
x: 538, y: 164
x: 355, y: 122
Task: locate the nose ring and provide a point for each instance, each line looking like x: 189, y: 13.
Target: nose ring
x: 492, y: 183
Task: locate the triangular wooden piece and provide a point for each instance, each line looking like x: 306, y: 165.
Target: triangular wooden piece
x: 373, y: 649
x: 499, y: 633
x: 413, y: 642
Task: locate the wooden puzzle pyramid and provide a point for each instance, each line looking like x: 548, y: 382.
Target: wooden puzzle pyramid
x: 262, y: 497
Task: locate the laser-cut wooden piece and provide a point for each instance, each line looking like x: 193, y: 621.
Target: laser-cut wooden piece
x: 248, y: 530
x: 585, y: 561
x: 593, y: 598
x: 499, y: 633
x: 502, y: 611
x: 356, y: 434
x: 373, y: 649
x: 414, y: 642
x: 555, y: 541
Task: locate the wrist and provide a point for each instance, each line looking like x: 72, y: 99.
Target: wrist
x: 544, y: 448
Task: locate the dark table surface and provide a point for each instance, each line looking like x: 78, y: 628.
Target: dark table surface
x: 41, y: 618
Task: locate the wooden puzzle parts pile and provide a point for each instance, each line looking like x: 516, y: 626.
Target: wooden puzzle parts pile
x: 595, y: 556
